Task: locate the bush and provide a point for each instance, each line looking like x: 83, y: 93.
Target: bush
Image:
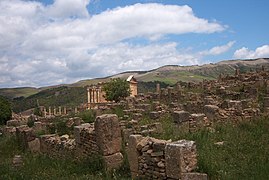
x: 87, y: 116
x: 116, y: 90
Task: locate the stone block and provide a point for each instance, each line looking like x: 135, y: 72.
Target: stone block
x: 237, y: 105
x: 78, y: 129
x: 113, y: 161
x: 108, y: 134
x: 39, y: 126
x: 211, y: 111
x: 181, y: 116
x: 34, y: 146
x: 126, y: 134
x: 13, y: 123
x: 154, y: 115
x: 193, y: 176
x: 180, y: 157
x: 266, y: 102
x: 9, y: 131
x: 132, y: 154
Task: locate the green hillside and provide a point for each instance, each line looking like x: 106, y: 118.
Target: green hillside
x: 18, y: 92
x: 60, y: 96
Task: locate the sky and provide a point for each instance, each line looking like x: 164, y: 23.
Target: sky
x: 50, y: 42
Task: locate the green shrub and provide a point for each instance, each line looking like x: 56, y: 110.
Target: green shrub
x: 5, y: 111
x: 88, y: 116
x: 30, y: 122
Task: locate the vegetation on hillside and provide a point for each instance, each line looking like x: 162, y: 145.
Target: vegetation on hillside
x: 60, y: 96
x: 5, y: 110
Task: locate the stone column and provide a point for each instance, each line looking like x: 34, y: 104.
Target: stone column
x: 54, y: 111
x: 98, y: 95
x: 108, y: 138
x: 93, y: 95
x: 49, y: 111
x: 76, y: 110
x: 65, y: 110
x: 60, y: 110
x: 89, y: 95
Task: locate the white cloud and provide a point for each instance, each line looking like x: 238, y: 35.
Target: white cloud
x: 68, y: 8
x: 44, y: 45
x: 245, y: 53
x: 218, y: 49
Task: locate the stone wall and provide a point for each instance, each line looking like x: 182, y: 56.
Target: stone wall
x: 152, y: 158
x: 102, y: 137
x: 85, y: 140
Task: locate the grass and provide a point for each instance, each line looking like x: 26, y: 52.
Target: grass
x: 41, y: 167
x: 244, y: 155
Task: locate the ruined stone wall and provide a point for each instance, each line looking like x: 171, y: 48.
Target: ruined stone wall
x: 85, y: 140
x: 56, y: 146
x: 152, y: 158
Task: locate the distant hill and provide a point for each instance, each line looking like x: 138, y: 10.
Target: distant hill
x: 173, y: 73
x: 18, y: 92
x: 74, y: 94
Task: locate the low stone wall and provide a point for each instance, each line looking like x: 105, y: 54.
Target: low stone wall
x: 54, y: 145
x: 152, y: 158
x: 102, y: 137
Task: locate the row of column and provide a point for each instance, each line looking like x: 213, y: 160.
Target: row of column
x: 56, y: 111
x: 95, y: 95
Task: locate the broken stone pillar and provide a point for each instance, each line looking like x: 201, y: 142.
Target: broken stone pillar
x: 65, y: 111
x: 132, y: 154
x: 211, y: 111
x: 45, y: 112
x: 181, y: 116
x: 237, y: 72
x: 170, y: 94
x: 17, y: 161
x: 34, y: 145
x: 76, y: 110
x: 158, y: 88
x: 24, y: 135
x: 60, y: 110
x: 108, y: 138
x: 180, y: 157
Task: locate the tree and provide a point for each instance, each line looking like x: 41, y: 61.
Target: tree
x: 116, y: 90
x: 5, y: 110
